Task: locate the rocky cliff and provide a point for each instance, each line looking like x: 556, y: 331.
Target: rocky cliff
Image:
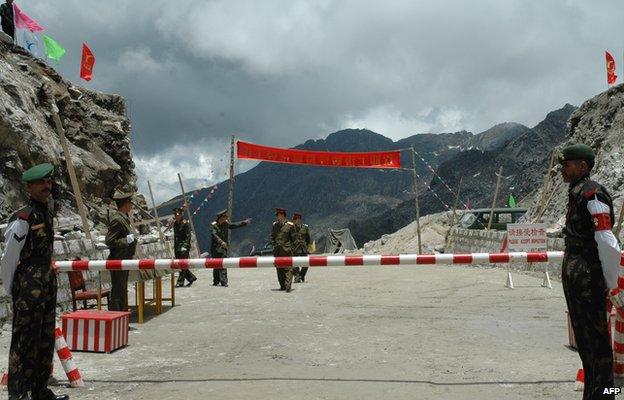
x: 599, y: 123
x: 96, y: 127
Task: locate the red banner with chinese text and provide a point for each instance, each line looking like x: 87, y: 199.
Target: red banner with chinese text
x: 378, y: 159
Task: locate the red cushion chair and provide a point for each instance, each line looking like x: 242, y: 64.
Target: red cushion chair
x: 80, y: 292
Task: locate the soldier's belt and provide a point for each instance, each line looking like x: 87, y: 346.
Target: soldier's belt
x: 36, y: 261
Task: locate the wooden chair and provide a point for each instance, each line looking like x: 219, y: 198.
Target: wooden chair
x: 80, y: 293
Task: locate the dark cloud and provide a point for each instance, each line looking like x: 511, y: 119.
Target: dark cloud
x: 280, y: 72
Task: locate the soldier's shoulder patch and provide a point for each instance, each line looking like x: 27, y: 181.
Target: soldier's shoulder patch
x: 23, y: 214
x: 214, y: 223
x: 589, y: 193
x: 290, y: 223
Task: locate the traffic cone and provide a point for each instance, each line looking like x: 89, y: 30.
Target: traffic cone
x: 62, y: 350
x: 579, y: 384
x: 509, y: 283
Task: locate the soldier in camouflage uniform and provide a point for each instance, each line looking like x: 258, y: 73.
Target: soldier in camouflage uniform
x: 590, y: 268
x: 6, y: 16
x: 301, y: 245
x: 122, y: 244
x: 282, y: 238
x: 220, y: 235
x: 28, y: 276
x: 182, y: 245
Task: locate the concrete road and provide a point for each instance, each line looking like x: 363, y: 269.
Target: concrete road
x: 348, y: 333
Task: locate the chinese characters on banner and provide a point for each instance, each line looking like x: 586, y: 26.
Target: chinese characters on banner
x: 527, y: 237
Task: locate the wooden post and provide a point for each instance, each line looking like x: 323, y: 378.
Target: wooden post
x: 188, y: 212
x: 230, y: 199
x: 500, y: 175
x: 546, y: 186
x: 72, y: 172
x: 416, y: 198
x: 158, y: 286
x: 456, y: 200
x: 618, y: 229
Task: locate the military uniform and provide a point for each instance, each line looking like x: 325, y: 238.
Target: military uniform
x: 586, y: 279
x: 282, y: 239
x: 181, y: 247
x: 300, y: 247
x: 8, y: 23
x: 120, y: 241
x: 28, y: 276
x: 220, y: 235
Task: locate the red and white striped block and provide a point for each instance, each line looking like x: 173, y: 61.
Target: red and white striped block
x: 62, y: 350
x: 96, y: 331
x: 309, y: 261
x: 618, y: 344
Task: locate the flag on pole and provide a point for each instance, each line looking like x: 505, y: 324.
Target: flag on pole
x: 87, y: 63
x: 511, y: 202
x: 23, y: 21
x: 611, y: 76
x: 53, y: 50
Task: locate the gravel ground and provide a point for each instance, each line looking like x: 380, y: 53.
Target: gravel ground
x: 444, y: 332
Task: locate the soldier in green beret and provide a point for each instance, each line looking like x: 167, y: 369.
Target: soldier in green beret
x: 590, y: 267
x: 182, y: 245
x: 301, y: 245
x: 27, y: 275
x: 283, y: 238
x: 220, y: 235
x: 122, y: 244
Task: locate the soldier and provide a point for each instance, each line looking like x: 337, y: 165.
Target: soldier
x: 590, y: 267
x: 28, y: 276
x: 7, y: 19
x: 122, y: 244
x: 282, y: 239
x: 302, y: 243
x: 220, y: 233
x: 182, y: 245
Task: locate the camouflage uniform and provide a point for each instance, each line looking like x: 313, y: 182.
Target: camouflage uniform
x: 220, y: 235
x: 182, y: 247
x: 585, y: 288
x: 34, y: 306
x: 118, y: 229
x: 300, y: 248
x: 8, y: 24
x: 282, y: 239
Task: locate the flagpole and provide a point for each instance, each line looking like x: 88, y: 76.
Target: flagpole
x: 230, y: 199
x: 500, y: 174
x: 188, y: 212
x: 416, y: 198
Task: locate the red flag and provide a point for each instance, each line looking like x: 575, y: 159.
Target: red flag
x: 611, y: 76
x: 87, y: 63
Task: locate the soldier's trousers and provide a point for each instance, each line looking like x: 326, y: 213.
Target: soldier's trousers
x: 284, y: 277
x: 184, y: 273
x: 118, y: 300
x: 219, y: 276
x: 300, y: 273
x: 586, y: 296
x: 32, y: 340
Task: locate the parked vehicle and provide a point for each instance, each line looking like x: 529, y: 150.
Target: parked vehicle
x: 479, y: 218
x: 266, y: 250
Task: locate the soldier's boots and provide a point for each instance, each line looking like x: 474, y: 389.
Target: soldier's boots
x: 191, y: 280
x: 51, y: 396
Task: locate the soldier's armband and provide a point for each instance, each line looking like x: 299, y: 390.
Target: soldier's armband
x: 601, y: 214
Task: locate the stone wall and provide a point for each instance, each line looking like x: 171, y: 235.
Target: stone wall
x: 83, y: 248
x: 483, y: 241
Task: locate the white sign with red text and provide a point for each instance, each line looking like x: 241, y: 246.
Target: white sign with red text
x: 527, y: 237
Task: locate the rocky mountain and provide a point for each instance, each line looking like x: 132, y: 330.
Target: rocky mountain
x: 96, y: 127
x: 370, y: 202
x: 525, y: 157
x: 599, y: 123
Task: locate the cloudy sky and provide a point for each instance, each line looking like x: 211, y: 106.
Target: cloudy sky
x: 281, y: 72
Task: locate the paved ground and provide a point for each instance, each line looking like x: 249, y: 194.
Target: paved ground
x: 358, y: 333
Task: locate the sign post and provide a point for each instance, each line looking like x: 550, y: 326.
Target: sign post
x: 527, y: 238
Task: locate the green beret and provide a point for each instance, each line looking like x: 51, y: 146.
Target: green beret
x: 120, y: 195
x: 221, y: 213
x: 577, y: 152
x: 178, y: 210
x: 38, y: 172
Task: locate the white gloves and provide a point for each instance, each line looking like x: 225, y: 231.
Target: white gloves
x: 130, y: 238
x: 183, y: 249
x: 616, y: 296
